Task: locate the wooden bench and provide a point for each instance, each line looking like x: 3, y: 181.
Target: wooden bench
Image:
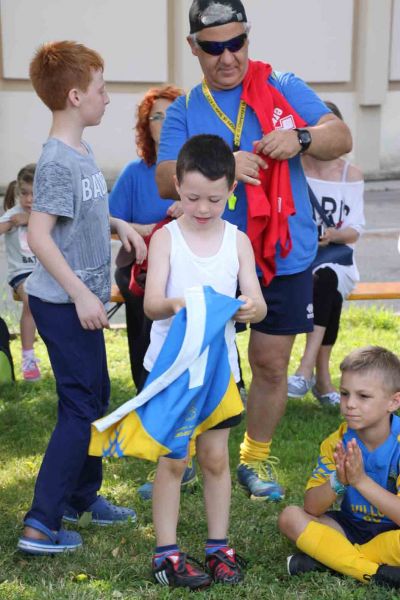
x: 376, y: 290
x: 365, y: 290
x: 370, y: 290
x: 116, y: 299
x: 116, y: 296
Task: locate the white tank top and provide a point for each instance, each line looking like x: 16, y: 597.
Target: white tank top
x: 219, y: 271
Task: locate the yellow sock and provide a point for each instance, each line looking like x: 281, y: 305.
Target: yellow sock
x: 334, y: 550
x: 252, y: 451
x: 383, y: 549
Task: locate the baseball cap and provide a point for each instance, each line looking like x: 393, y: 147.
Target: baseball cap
x: 211, y: 13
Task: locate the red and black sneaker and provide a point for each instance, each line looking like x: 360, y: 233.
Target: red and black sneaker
x: 225, y: 566
x: 176, y: 571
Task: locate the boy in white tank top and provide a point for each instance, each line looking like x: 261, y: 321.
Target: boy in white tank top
x: 199, y: 249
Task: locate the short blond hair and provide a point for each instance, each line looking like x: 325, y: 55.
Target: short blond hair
x: 58, y: 67
x: 377, y: 359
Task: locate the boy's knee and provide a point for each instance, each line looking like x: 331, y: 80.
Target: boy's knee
x: 215, y: 462
x: 292, y: 522
x: 285, y: 518
x: 174, y: 467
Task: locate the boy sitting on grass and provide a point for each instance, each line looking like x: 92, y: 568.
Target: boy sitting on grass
x: 358, y: 464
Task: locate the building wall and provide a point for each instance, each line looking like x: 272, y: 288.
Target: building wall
x: 348, y: 50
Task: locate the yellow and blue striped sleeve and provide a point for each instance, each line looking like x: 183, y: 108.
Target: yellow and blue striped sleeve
x: 398, y: 470
x: 326, y: 463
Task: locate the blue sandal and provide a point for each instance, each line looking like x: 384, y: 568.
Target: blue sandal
x: 102, y: 512
x: 59, y: 541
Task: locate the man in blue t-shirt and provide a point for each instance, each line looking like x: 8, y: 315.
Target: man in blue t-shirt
x: 219, y: 39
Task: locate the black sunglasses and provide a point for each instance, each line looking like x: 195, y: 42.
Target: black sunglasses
x: 217, y: 48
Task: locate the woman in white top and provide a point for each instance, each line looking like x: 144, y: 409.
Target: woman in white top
x: 339, y: 189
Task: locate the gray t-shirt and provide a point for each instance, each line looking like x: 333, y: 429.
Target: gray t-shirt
x: 69, y: 185
x: 20, y: 258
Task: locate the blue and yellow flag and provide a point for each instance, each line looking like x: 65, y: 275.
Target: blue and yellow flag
x: 189, y: 390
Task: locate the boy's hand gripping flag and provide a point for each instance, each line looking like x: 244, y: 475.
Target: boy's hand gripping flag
x: 189, y: 390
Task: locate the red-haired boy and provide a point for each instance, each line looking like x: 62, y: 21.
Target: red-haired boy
x: 69, y: 232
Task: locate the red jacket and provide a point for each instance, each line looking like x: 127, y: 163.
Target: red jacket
x: 270, y: 204
x: 139, y: 272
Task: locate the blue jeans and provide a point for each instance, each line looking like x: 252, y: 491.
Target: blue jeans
x: 78, y: 359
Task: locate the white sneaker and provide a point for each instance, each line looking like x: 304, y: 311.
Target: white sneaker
x: 30, y: 368
x: 298, y: 386
x: 328, y: 399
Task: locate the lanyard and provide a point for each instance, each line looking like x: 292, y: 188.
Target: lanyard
x: 235, y: 129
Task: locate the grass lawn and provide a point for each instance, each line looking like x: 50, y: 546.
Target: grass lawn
x: 115, y: 562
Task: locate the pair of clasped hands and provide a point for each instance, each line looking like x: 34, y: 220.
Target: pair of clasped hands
x: 349, y: 463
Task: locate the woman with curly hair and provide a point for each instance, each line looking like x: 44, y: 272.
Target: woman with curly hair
x: 135, y: 199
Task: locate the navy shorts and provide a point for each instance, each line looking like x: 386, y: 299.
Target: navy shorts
x: 289, y: 300
x: 16, y: 281
x: 228, y: 423
x: 358, y: 531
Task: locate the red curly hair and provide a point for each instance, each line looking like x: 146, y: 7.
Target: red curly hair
x: 146, y: 147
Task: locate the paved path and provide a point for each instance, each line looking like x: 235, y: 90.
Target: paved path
x: 377, y: 252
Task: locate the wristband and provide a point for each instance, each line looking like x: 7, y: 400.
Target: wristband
x: 338, y: 487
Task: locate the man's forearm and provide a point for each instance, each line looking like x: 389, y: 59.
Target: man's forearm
x: 165, y: 180
x: 331, y: 138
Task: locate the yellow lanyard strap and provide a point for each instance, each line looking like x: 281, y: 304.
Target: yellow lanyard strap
x: 235, y: 129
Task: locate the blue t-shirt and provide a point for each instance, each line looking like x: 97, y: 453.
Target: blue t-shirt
x: 194, y: 115
x: 135, y: 198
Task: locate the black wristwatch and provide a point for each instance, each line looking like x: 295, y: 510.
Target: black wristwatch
x: 305, y: 139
